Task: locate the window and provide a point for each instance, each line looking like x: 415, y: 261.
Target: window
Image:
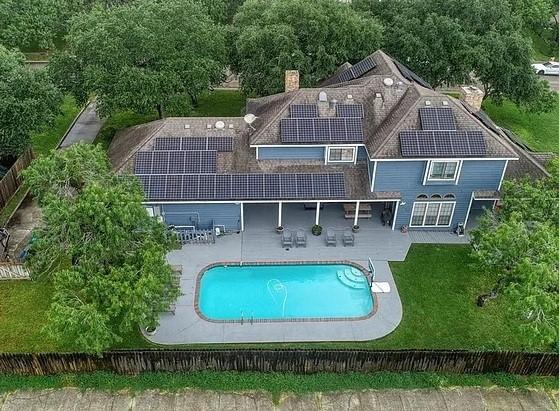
x: 436, y: 196
x: 443, y: 170
x: 449, y: 196
x: 422, y: 197
x: 432, y: 214
x: 341, y: 154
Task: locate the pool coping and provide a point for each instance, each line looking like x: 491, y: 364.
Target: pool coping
x: 201, y: 273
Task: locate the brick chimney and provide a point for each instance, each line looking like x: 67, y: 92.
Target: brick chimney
x: 472, y: 95
x: 291, y: 80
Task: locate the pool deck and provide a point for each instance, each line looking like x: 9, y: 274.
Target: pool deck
x: 260, y: 243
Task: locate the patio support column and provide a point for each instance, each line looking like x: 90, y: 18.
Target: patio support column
x: 242, y: 216
x: 356, y: 212
x: 395, y: 214
x: 469, y: 209
x: 317, y: 212
x: 279, y: 213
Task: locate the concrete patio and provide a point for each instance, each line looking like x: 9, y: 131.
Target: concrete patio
x: 259, y: 242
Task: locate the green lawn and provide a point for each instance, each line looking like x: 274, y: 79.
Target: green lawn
x: 48, y: 140
x: 543, y: 45
x: 275, y: 383
x: 539, y: 131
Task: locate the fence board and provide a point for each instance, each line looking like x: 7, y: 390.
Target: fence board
x: 295, y: 361
x: 12, y: 180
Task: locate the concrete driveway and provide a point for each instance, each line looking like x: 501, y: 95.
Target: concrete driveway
x: 86, y: 127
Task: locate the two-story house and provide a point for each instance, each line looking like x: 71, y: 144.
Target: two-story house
x: 373, y: 141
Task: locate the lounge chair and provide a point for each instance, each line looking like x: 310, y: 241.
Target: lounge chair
x: 380, y: 287
x: 348, y: 238
x: 300, y: 239
x: 330, y: 237
x: 287, y: 239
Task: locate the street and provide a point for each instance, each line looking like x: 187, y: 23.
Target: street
x: 553, y: 81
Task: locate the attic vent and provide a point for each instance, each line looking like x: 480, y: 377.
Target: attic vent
x: 388, y: 82
x: 208, y: 126
x: 350, y: 97
x: 220, y: 125
x: 187, y: 126
x: 231, y: 126
x: 322, y: 96
x: 427, y: 103
x: 445, y: 103
x: 378, y: 95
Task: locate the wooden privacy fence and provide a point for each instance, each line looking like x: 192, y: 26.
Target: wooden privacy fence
x: 12, y: 180
x: 295, y: 361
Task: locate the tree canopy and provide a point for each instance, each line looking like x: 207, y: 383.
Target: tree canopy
x: 458, y: 41
x: 104, y: 254
x: 312, y: 36
x: 142, y: 56
x: 28, y: 102
x: 521, y: 242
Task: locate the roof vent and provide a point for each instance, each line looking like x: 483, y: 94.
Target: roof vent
x: 220, y: 125
x: 378, y: 95
x: 187, y: 126
x: 322, y: 96
x: 445, y: 103
x: 333, y: 103
x: 350, y: 97
x: 208, y: 126
x: 231, y: 125
x: 388, y: 82
x: 427, y: 103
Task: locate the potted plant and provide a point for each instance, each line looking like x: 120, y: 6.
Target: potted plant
x: 150, y: 329
x: 355, y: 228
x: 316, y: 229
x: 279, y: 229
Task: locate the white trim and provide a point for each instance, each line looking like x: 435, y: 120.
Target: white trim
x: 426, y: 172
x: 459, y: 171
x: 374, y: 176
x: 325, y: 154
x: 395, y: 215
x: 301, y: 201
x: 242, y: 217
x: 427, y: 177
x: 503, y: 175
x: 423, y: 225
x: 308, y: 145
x: 356, y: 212
x: 330, y: 148
x: 469, y: 209
x: 257, y: 153
x: 280, y: 206
x: 443, y: 159
x: 317, y: 219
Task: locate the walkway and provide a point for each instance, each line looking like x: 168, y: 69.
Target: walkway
x: 463, y: 399
x: 85, y: 128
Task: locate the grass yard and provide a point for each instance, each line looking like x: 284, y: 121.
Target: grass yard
x: 48, y: 140
x: 538, y: 131
x: 544, y: 47
x: 274, y: 383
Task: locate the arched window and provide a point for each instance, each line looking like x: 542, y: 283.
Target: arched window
x: 449, y: 196
x: 422, y: 197
x: 436, y: 197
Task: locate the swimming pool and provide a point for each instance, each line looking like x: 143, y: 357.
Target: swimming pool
x: 288, y: 292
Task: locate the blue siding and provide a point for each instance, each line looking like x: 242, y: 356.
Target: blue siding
x: 362, y: 154
x: 203, y: 216
x: 291, y: 153
x: 407, y: 178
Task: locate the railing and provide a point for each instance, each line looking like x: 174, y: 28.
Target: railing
x: 195, y: 236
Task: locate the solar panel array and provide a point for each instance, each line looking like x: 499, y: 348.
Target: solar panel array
x: 176, y: 162
x: 357, y: 70
x: 437, y: 118
x: 436, y: 143
x: 220, y: 144
x: 410, y: 75
x: 321, y: 130
x: 303, y: 111
x: 350, y: 110
x: 243, y: 186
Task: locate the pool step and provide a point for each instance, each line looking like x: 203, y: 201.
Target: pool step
x: 352, y: 279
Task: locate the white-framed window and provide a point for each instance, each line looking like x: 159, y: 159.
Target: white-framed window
x: 341, y: 154
x: 443, y: 170
x: 432, y: 213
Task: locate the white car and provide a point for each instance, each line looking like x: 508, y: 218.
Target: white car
x: 549, y: 68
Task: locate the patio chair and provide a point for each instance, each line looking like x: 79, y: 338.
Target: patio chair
x: 330, y: 237
x: 287, y: 239
x: 300, y: 239
x: 348, y: 238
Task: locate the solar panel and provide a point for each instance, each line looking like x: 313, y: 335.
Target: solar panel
x: 244, y: 186
x: 410, y: 75
x: 437, y: 118
x: 303, y: 110
x: 350, y: 110
x: 219, y: 144
x: 357, y: 70
x: 438, y: 143
x: 176, y: 162
x: 321, y: 130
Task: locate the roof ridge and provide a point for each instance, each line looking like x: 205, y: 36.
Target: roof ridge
x: 146, y: 140
x: 275, y: 117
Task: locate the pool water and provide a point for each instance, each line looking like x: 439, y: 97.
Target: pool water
x: 276, y: 292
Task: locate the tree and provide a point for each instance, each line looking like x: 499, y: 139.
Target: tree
x: 104, y: 254
x: 142, y: 56
x: 29, y: 102
x: 314, y: 37
x: 456, y: 41
x: 520, y: 243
